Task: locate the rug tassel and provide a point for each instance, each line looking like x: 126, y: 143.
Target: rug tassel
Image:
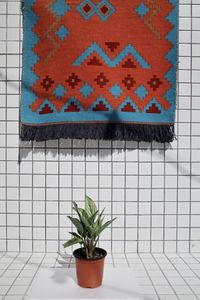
x: 111, y: 131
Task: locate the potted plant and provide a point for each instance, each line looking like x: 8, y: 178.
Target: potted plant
x: 89, y: 258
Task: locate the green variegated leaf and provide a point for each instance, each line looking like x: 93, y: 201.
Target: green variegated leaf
x: 90, y: 206
x: 100, y: 220
x: 80, y: 211
x: 96, y: 229
x: 75, y: 206
x: 84, y: 221
x: 77, y: 224
x: 91, y: 220
x: 76, y: 235
x: 84, y: 214
x: 105, y: 225
x: 73, y: 241
x: 102, y: 212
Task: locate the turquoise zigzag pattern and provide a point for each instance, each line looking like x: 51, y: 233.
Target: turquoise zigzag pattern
x: 129, y: 49
x: 173, y: 53
x: 29, y: 56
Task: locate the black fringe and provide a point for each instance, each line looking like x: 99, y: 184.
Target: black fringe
x: 99, y: 131
x: 22, y: 5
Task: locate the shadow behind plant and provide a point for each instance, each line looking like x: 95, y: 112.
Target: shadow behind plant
x: 89, y: 225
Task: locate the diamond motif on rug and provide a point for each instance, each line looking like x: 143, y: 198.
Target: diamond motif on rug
x: 86, y: 9
x: 116, y: 91
x: 105, y: 10
x: 60, y: 7
x: 59, y: 91
x: 141, y: 92
x: 86, y: 90
x: 62, y: 32
x: 142, y: 10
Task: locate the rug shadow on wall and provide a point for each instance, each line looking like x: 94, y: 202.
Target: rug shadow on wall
x: 88, y: 149
x: 92, y: 150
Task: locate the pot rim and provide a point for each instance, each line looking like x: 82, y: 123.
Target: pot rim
x: 101, y: 250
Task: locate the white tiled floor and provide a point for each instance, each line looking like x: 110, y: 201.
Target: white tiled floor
x: 161, y: 276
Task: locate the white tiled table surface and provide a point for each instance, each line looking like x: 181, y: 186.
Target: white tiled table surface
x: 161, y: 276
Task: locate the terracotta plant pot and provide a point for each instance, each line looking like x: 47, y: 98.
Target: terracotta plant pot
x: 89, y: 271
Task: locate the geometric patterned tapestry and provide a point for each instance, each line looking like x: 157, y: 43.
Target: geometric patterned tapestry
x: 99, y: 69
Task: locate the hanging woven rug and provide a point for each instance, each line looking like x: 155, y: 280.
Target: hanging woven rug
x: 99, y: 69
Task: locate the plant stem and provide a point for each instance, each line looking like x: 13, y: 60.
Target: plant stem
x: 96, y: 242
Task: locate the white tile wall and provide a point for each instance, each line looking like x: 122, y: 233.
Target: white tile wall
x: 155, y: 194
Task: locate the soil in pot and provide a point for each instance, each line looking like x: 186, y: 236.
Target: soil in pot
x: 90, y: 271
